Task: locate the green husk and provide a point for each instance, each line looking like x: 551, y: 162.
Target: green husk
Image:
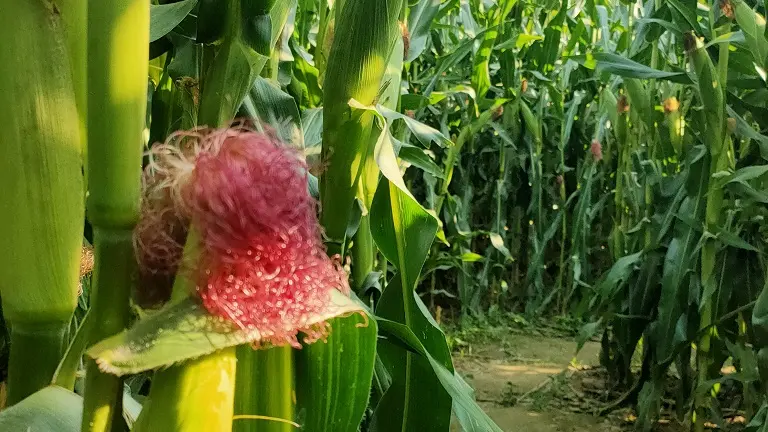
x: 41, y: 207
x: 365, y: 32
x: 196, y: 396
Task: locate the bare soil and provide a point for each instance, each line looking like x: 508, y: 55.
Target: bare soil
x: 532, y: 383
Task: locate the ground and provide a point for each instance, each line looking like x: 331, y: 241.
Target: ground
x: 530, y: 381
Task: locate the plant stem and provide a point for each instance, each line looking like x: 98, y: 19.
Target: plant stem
x: 197, y: 395
x: 718, y: 146
x: 41, y: 204
x: 30, y: 367
x: 113, y: 275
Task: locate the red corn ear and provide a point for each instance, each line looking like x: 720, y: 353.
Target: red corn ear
x: 262, y: 262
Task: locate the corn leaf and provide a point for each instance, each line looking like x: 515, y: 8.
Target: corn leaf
x: 471, y: 417
x: 622, y: 66
x: 404, y: 233
x: 334, y: 378
x: 165, y: 17
x: 420, y: 21
x: 181, y: 332
x: 753, y: 26
x: 52, y: 409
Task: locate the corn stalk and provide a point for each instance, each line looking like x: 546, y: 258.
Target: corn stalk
x: 118, y: 41
x: 711, y: 94
x: 42, y: 204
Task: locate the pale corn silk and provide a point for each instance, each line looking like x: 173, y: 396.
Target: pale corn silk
x: 262, y: 263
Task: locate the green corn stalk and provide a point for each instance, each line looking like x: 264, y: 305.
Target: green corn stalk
x: 41, y: 207
x: 365, y: 33
x: 118, y: 51
x: 535, y: 129
x: 712, y: 95
x: 250, y: 30
x: 643, y: 123
x: 622, y: 141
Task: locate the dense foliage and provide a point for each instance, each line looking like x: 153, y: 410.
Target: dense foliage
x: 601, y: 159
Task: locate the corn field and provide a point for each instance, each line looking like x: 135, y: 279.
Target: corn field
x: 255, y: 215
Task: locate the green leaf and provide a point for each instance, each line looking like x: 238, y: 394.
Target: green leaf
x: 664, y: 23
x: 425, y: 133
x: 730, y: 37
x: 165, y: 17
x: 587, y: 332
x: 333, y: 379
x: 404, y: 232
x: 184, y: 331
x: 268, y: 103
x: 679, y: 261
x: 498, y: 243
x: 688, y: 11
x: 402, y: 229
x: 471, y: 257
x: 450, y: 60
x: 52, y: 409
x: 622, y: 66
x: 618, y: 274
x: 470, y: 415
x: 747, y: 131
x: 312, y: 126
x: 273, y: 370
x: 227, y: 82
x: 734, y: 240
x: 481, y: 75
x: 420, y: 21
x: 748, y: 173
x: 753, y: 26
x: 417, y: 157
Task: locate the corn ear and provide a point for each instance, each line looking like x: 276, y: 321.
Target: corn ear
x: 711, y: 93
x: 639, y: 100
x: 365, y: 33
x: 196, y: 396
x: 41, y: 207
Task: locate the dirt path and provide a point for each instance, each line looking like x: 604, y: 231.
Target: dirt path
x: 518, y: 364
